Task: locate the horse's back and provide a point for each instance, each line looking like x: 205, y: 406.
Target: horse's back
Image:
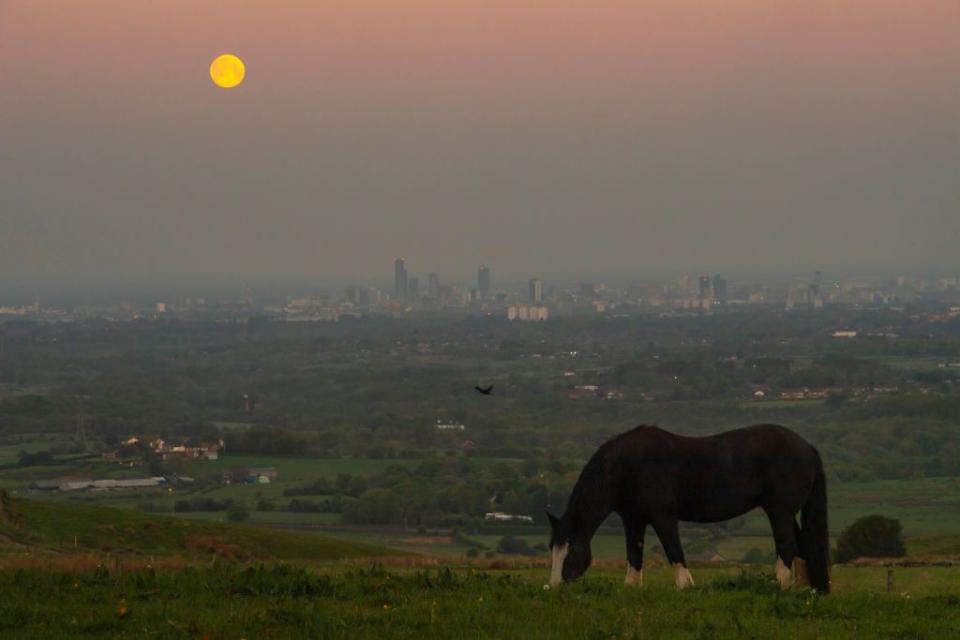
x: 760, y: 439
x: 714, y: 477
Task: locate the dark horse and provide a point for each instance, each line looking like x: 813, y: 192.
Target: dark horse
x: 651, y: 476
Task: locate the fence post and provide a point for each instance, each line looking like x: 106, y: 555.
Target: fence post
x: 889, y: 580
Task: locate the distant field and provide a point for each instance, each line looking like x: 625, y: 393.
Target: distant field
x: 912, y: 363
x: 279, y: 518
x: 297, y: 469
x: 10, y: 453
x: 926, y: 507
x: 782, y: 404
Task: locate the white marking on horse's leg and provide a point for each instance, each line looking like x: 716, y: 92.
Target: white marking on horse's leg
x: 556, y: 566
x: 682, y: 576
x: 634, y: 577
x: 800, y: 576
x: 783, y: 574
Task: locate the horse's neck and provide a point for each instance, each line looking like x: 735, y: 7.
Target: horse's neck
x: 590, y: 523
x: 592, y: 508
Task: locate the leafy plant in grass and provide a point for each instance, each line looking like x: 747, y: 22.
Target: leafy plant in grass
x: 760, y: 583
x: 237, y: 513
x: 758, y: 556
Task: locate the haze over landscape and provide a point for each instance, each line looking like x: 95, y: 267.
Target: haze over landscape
x: 599, y: 136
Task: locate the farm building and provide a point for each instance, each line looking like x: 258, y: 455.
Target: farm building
x: 499, y: 516
x: 130, y: 483
x: 55, y: 483
x: 202, y: 451
x: 251, y: 475
x: 263, y: 475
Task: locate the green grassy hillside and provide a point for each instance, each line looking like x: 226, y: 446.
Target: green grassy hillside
x: 61, y: 527
x: 283, y: 601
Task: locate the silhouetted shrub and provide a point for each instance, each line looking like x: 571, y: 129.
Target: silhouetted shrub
x: 871, y: 537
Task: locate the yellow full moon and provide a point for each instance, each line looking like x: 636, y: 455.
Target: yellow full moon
x: 227, y: 71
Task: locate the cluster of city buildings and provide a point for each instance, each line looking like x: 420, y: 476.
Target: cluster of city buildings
x: 533, y: 300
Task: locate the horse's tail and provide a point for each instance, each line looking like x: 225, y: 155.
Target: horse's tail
x: 813, y: 528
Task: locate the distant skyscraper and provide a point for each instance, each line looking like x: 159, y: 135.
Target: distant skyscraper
x: 536, y: 291
x: 370, y: 297
x: 817, y: 285
x: 433, y: 286
x: 705, y: 288
x: 413, y: 289
x: 483, y: 280
x: 719, y: 289
x: 400, y: 280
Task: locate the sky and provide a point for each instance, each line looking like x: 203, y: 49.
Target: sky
x: 537, y: 136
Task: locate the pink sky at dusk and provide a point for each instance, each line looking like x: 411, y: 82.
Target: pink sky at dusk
x: 536, y: 114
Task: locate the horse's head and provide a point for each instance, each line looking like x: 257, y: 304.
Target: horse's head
x: 569, y: 548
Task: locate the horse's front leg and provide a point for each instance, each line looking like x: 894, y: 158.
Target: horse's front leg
x: 634, y: 530
x: 784, y: 527
x: 668, y: 530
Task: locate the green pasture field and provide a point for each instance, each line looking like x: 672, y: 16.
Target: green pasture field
x: 10, y: 453
x: 299, y: 470
x: 285, y: 601
x: 279, y: 519
x: 296, y: 469
x: 926, y: 507
x: 912, y: 363
x: 782, y: 404
x: 30, y: 527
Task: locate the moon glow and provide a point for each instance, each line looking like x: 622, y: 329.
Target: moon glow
x: 227, y: 71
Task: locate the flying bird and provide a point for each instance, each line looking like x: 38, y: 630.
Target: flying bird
x: 485, y: 391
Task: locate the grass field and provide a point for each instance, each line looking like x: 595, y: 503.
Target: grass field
x: 284, y: 601
x: 297, y: 469
x: 926, y: 507
x: 279, y: 519
x: 30, y: 527
x: 10, y: 453
x: 81, y: 571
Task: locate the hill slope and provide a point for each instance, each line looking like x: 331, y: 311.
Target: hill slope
x: 60, y: 527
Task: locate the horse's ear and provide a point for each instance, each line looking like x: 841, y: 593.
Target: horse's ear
x: 553, y: 520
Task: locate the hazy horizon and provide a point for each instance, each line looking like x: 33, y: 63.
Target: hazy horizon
x: 601, y: 137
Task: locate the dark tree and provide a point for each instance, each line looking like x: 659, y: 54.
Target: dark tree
x: 871, y: 537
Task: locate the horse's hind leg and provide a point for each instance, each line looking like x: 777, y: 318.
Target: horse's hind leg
x: 669, y: 533
x: 800, y: 577
x: 785, y: 539
x: 634, y: 532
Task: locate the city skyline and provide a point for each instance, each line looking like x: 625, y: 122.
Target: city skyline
x: 529, y: 299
